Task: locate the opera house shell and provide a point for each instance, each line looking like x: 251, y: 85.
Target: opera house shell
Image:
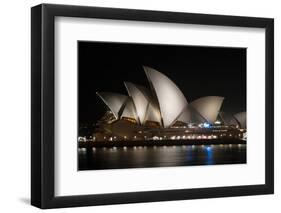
x: 160, y: 108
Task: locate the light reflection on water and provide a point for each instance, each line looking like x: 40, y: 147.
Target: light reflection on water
x: 160, y: 156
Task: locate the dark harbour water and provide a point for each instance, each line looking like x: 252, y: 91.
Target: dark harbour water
x: 160, y: 156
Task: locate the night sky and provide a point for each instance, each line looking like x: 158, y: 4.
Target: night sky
x: 197, y: 71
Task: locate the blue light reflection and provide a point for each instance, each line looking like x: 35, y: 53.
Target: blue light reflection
x: 209, y: 157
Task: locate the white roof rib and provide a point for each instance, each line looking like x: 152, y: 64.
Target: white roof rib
x: 171, y: 100
x: 114, y: 101
x: 208, y: 107
x: 241, y: 118
x: 129, y: 110
x: 153, y: 113
x: 185, y: 116
x: 140, y: 99
x: 227, y: 118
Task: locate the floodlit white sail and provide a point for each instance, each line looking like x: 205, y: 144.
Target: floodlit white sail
x: 114, y: 101
x: 153, y: 113
x: 184, y: 116
x: 241, y: 119
x: 129, y: 110
x: 208, y: 107
x: 171, y: 100
x: 140, y: 99
x: 227, y: 119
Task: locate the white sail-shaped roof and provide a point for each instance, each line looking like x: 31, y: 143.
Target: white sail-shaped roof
x: 153, y: 113
x: 226, y: 118
x: 171, y: 100
x: 114, y: 101
x: 241, y: 118
x: 129, y: 110
x: 208, y: 107
x: 140, y: 99
x: 185, y: 116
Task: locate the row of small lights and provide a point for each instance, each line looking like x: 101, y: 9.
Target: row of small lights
x: 161, y: 138
x: 174, y: 137
x: 154, y: 147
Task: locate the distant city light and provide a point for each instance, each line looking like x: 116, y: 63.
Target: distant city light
x: 209, y: 148
x: 206, y: 125
x: 217, y: 122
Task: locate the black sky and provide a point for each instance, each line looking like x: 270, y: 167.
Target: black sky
x: 197, y: 71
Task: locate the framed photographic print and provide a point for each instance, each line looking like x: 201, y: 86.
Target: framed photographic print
x: 139, y: 106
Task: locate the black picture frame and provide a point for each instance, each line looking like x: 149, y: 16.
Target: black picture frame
x: 43, y: 111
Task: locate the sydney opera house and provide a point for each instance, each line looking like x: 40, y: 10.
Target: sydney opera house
x: 162, y: 112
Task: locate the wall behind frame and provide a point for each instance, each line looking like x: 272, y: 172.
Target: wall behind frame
x: 15, y: 105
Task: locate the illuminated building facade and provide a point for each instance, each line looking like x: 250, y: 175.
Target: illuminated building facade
x: 162, y: 112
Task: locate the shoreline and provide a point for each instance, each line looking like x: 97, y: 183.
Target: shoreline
x: 160, y: 143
